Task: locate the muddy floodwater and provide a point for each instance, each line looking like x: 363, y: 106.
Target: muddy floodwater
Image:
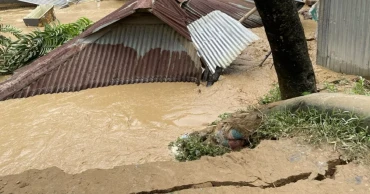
x: 89, y: 9
x: 119, y: 125
x: 107, y: 127
x: 97, y: 128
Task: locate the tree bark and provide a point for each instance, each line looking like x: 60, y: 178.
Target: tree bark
x: 289, y: 47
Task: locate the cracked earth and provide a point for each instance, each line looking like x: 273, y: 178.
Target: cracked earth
x: 273, y: 167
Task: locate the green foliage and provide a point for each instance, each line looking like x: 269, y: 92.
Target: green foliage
x: 360, y: 87
x: 343, y: 129
x: 306, y: 93
x: 194, y: 147
x: 273, y: 95
x: 222, y: 117
x: 330, y: 87
x: 28, y: 47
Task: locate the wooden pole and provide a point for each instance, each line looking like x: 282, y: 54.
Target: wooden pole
x: 246, y: 16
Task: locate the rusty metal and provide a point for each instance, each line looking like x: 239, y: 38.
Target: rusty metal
x: 196, y: 9
x: 166, y: 10
x: 138, y: 49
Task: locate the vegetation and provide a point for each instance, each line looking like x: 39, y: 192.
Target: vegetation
x: 28, y: 47
x: 362, y: 87
x: 193, y: 147
x: 221, y: 117
x: 343, y: 129
x: 272, y: 96
x: 331, y: 87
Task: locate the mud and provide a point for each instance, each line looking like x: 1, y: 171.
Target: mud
x: 133, y: 124
x: 121, y: 125
x: 291, y: 167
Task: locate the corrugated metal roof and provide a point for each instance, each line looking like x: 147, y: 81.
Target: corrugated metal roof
x: 220, y: 39
x: 195, y: 9
x: 126, y: 54
x: 44, y: 2
x: 112, y: 52
x: 116, y: 51
x: 166, y: 10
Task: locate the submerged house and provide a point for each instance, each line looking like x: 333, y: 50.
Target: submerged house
x: 143, y: 41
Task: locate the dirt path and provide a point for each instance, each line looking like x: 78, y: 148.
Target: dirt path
x: 291, y: 167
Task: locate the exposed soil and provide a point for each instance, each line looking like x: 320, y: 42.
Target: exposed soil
x: 273, y: 167
x: 67, y: 136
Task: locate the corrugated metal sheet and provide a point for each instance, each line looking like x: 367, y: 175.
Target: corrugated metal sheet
x: 220, y: 39
x: 43, y: 2
x: 343, y: 36
x: 195, y: 9
x: 126, y: 54
x: 134, y: 50
x: 128, y: 47
x: 166, y: 10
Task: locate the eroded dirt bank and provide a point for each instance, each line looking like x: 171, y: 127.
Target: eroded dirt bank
x: 293, y: 168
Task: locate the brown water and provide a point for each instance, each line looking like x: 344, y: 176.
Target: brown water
x: 119, y: 125
x: 92, y: 10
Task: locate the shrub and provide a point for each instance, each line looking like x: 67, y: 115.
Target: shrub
x: 193, y: 147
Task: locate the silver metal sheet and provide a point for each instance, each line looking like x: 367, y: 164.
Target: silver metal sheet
x: 343, y: 37
x: 219, y: 39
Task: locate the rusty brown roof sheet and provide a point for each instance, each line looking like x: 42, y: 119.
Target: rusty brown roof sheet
x: 84, y: 62
x: 96, y: 63
x: 195, y: 9
x: 167, y: 10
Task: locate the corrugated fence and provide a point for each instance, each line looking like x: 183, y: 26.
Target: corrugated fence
x: 343, y: 36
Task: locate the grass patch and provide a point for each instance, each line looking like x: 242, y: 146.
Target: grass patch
x: 193, y: 147
x: 343, y: 129
x: 330, y: 87
x: 272, y: 96
x: 361, y: 87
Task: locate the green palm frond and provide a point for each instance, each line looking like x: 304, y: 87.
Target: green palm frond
x: 28, y: 47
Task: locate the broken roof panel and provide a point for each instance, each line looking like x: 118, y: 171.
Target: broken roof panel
x: 44, y: 2
x: 220, y: 46
x: 195, y: 9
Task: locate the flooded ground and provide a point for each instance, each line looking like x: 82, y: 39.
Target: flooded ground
x: 90, y: 9
x: 120, y: 125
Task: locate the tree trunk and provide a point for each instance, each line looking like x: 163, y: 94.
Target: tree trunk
x: 289, y: 47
